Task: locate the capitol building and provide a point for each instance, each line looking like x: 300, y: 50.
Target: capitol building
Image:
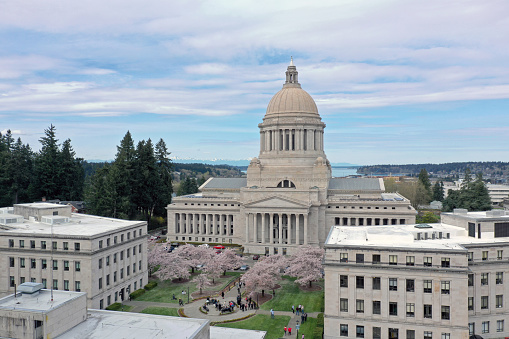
x: 289, y: 197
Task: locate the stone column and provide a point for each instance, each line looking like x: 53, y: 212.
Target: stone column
x: 284, y: 140
x: 247, y: 227
x: 271, y: 228
x: 297, y: 229
x: 280, y: 228
x: 207, y: 228
x: 289, y: 228
x: 177, y: 223
x: 305, y: 229
x: 255, y: 228
x: 263, y: 228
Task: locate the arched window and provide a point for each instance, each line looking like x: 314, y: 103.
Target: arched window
x: 286, y: 184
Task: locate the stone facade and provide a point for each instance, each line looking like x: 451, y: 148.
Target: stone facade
x: 105, y: 257
x: 289, y: 197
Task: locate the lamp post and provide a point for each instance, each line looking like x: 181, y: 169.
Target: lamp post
x: 188, y: 294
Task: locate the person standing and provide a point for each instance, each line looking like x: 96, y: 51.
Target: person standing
x: 272, y: 313
x: 284, y: 329
x: 222, y: 294
x: 289, y: 331
x: 293, y: 309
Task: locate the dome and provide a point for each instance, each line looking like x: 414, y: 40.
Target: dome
x: 292, y: 100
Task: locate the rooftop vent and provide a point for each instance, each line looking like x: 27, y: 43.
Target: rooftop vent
x: 30, y: 287
x: 460, y: 211
x: 423, y: 226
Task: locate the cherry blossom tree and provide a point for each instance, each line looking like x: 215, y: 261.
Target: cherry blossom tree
x: 264, y: 274
x: 202, y: 280
x: 306, y: 265
x: 229, y: 260
x: 172, y: 266
x: 213, y: 268
x: 155, y: 256
x: 195, y: 256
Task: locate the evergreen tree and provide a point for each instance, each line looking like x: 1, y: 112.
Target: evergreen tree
x: 472, y: 196
x: 423, y: 194
x: 20, y: 168
x: 147, y: 181
x: 72, y: 173
x: 47, y: 166
x: 438, y: 191
x: 165, y: 189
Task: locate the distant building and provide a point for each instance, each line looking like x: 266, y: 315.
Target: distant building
x: 46, y: 243
x: 445, y: 280
x: 289, y: 197
x: 36, y: 313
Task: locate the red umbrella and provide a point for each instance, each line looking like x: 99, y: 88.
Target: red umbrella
x: 219, y: 247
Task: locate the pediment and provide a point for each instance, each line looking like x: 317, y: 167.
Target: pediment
x: 276, y: 202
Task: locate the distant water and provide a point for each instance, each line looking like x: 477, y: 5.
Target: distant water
x: 344, y: 172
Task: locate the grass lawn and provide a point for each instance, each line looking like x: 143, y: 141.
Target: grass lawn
x: 162, y: 311
x: 262, y: 322
x: 164, y: 290
x: 307, y: 328
x: 290, y: 294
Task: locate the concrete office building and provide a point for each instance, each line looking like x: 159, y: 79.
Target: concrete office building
x: 419, y: 281
x: 46, y: 243
x: 289, y: 197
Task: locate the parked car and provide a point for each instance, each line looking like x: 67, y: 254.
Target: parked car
x: 219, y: 247
x: 244, y: 267
x: 204, y: 245
x: 256, y: 257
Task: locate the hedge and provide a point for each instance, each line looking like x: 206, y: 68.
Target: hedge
x: 150, y: 285
x: 137, y: 293
x: 114, y: 307
x: 318, y: 331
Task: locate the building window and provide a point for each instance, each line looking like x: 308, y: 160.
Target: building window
x: 134, y: 268
x: 484, y: 255
x: 121, y: 255
x: 377, y: 332
x: 139, y: 265
x: 499, y: 300
x: 359, y: 282
x: 66, y: 265
x: 22, y: 262
x: 343, y: 305
x: 393, y: 333
x: 100, y: 263
x: 376, y: 283
x: 121, y: 238
x: 360, y: 331
x: 446, y: 312
x: 470, y: 256
x: 471, y: 328
x: 470, y: 303
x: 410, y: 334
x: 393, y: 308
x: 485, y: 327
x: 500, y: 278
x: 32, y: 243
x: 108, y: 280
x: 393, y: 284
x: 11, y: 242
x: 109, y: 300
x: 77, y: 266
x: 115, y: 258
x: 410, y: 285
x: 11, y: 261
x: 43, y: 245
x: 32, y: 280
x: 128, y: 270
x: 470, y: 280
x: 484, y: 302
x: 428, y: 285
x: 66, y: 285
x: 446, y: 262
x: 393, y: 259
x: 55, y: 264
x: 100, y: 244
x: 22, y: 244
x: 44, y: 264
x: 121, y: 273
x: 139, y: 246
x: 376, y: 259
x: 115, y: 239
x: 428, y: 311
x: 428, y: 261
x: 108, y: 242
x: 446, y: 336
x: 343, y: 257
x: 115, y: 276
x: 128, y: 252
x: 55, y: 284
x: 410, y: 310
x: 343, y: 330
x: 77, y: 246
x: 500, y: 326
x: 445, y: 287
x: 376, y: 307
x: 484, y: 278
x: 359, y: 258
x: 100, y: 283
x: 12, y: 281
x: 116, y: 296
x: 54, y: 245
x: 359, y: 306
x: 101, y: 304
x: 108, y: 260
x: 500, y: 254
x: 44, y: 283
x: 410, y: 260
x: 428, y: 335
x: 66, y: 246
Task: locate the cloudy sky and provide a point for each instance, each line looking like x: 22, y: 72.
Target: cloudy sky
x: 395, y: 81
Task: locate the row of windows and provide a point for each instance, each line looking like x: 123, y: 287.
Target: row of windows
x: 393, y: 308
x: 121, y: 274
x: 115, y: 238
x: 44, y: 264
x: 120, y: 255
x: 485, y: 327
x: 367, y: 221
x: 203, y: 239
x: 485, y: 255
x: 119, y: 294
x: 77, y: 283
x: 43, y: 245
x: 362, y: 207
x: 192, y: 204
x: 376, y: 259
x: 445, y: 285
x: 499, y: 278
x: 499, y: 302
x: 392, y: 333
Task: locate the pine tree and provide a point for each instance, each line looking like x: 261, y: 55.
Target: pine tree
x: 47, y: 166
x: 164, y: 167
x: 72, y: 174
x: 438, y: 191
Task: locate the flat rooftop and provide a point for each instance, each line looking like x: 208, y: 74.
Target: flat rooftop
x: 39, y: 301
x: 406, y: 236
x: 78, y: 225
x: 235, y: 333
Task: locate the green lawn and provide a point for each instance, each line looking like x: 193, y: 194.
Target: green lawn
x: 290, y: 294
x: 307, y: 328
x: 164, y: 290
x: 161, y: 311
x: 262, y: 322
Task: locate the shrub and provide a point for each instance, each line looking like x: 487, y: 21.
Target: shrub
x: 150, y: 285
x: 319, y: 320
x: 114, y: 307
x: 137, y: 293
